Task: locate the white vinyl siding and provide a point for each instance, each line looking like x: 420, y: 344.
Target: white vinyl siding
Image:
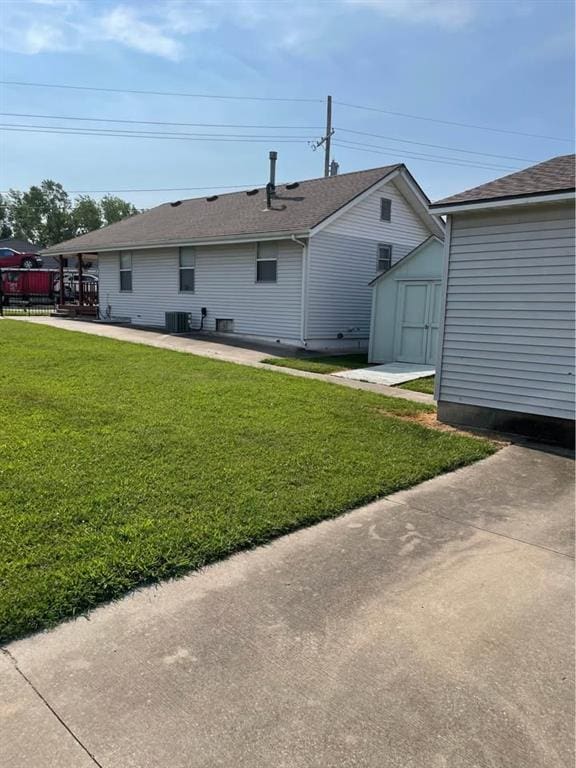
x: 509, y: 322
x: 363, y: 219
x: 224, y: 283
x: 343, y: 259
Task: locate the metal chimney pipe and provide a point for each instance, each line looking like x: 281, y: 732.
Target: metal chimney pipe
x: 273, y: 157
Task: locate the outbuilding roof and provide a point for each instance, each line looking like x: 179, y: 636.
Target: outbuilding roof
x: 552, y: 176
x: 296, y: 208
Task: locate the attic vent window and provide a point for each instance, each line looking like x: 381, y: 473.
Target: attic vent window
x: 251, y: 192
x: 294, y: 185
x: 384, y: 257
x: 385, y: 209
x: 212, y: 198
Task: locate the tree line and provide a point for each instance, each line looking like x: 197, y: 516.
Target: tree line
x: 46, y: 214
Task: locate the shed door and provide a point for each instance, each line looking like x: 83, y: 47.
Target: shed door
x: 417, y: 321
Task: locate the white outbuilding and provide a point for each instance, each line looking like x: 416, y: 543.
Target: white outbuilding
x: 406, y: 304
x: 506, y: 348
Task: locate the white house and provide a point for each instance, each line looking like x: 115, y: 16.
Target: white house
x: 507, y: 339
x: 406, y: 302
x: 288, y: 264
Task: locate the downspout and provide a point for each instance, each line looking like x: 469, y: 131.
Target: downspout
x: 304, y: 292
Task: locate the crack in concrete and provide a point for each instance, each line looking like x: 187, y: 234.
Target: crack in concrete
x: 47, y: 704
x: 434, y: 512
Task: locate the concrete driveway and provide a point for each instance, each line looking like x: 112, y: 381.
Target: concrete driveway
x: 433, y: 629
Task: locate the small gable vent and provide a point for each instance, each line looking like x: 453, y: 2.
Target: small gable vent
x: 212, y: 198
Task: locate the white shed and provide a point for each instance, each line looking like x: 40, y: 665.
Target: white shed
x: 506, y: 358
x: 406, y: 302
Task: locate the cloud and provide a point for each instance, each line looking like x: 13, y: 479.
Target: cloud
x: 40, y: 38
x: 159, y: 29
x: 443, y: 13
x: 122, y: 25
x: 165, y: 28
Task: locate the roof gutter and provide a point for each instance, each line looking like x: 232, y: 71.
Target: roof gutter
x: 251, y: 238
x: 502, y: 202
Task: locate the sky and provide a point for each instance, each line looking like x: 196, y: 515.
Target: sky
x: 504, y: 65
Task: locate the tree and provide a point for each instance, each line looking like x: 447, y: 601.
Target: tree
x: 46, y: 216
x: 115, y: 209
x: 86, y: 215
x: 5, y: 228
x: 41, y: 215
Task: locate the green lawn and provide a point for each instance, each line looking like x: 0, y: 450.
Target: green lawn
x: 320, y: 364
x: 420, y: 385
x: 122, y: 464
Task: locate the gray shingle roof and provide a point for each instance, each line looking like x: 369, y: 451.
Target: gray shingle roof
x: 234, y: 214
x: 555, y: 175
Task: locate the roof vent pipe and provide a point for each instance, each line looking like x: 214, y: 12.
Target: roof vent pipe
x: 273, y: 157
x: 334, y: 168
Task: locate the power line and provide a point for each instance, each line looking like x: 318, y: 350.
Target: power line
x: 160, y: 134
x: 239, y: 138
x: 159, y: 189
x: 160, y: 93
x: 162, y: 122
x: 283, y: 99
x: 450, y: 122
x: 260, y: 127
x: 419, y: 155
x: 53, y: 130
x: 424, y: 158
x: 435, y: 146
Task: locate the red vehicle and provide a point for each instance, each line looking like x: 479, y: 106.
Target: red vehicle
x: 11, y: 258
x: 28, y: 286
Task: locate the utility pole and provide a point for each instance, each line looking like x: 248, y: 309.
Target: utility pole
x: 325, y: 140
x: 328, y: 136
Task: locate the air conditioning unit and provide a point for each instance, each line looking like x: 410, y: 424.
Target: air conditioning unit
x: 177, y: 322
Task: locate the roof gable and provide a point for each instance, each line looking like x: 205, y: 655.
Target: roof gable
x: 407, y: 257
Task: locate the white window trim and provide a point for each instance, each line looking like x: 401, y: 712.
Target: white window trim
x: 260, y: 259
x: 121, y: 270
x: 391, y: 248
x: 180, y: 268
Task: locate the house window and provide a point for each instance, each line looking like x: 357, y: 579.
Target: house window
x: 187, y: 269
x: 385, y: 209
x: 266, y: 262
x: 125, y: 271
x: 384, y: 257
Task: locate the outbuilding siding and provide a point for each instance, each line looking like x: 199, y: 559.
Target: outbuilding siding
x: 342, y: 260
x: 225, y: 283
x: 508, y: 339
